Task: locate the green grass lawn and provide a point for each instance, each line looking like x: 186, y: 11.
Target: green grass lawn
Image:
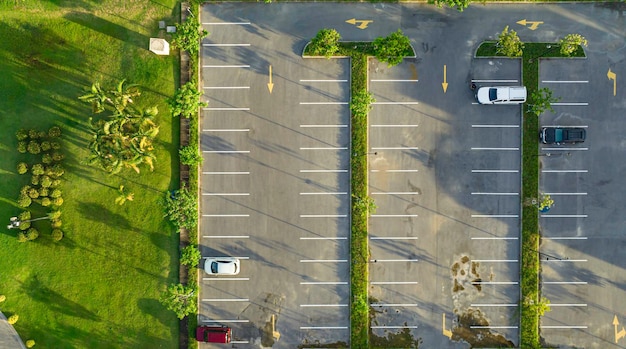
x: 99, y: 286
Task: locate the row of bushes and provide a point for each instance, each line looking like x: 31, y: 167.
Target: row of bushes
x: 12, y: 320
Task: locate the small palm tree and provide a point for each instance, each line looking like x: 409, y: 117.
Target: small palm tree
x: 123, y: 196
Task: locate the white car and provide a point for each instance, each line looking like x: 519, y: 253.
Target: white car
x: 501, y: 95
x: 222, y: 266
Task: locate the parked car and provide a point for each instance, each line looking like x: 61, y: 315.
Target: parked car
x: 501, y: 95
x: 213, y: 334
x: 222, y: 266
x: 562, y: 135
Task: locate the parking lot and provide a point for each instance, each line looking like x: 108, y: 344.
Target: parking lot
x: 444, y: 173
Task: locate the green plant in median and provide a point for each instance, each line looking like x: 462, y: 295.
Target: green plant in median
x: 180, y: 299
x: 541, y: 100
x: 393, y: 48
x: 190, y: 256
x: 459, y: 4
x: 509, y: 44
x: 188, y: 35
x: 570, y: 43
x: 190, y: 155
x: 186, y: 100
x: 181, y: 208
x: 325, y: 43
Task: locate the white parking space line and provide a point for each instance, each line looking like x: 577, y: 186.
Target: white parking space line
x: 564, y: 171
x: 323, y: 103
x: 572, y: 103
x: 393, y: 215
x: 322, y: 80
x: 564, y: 81
x: 496, y: 126
x: 564, y: 282
x: 323, y: 283
x: 225, y: 300
x: 323, y: 216
x: 224, y: 45
x: 226, y: 109
x: 496, y: 260
x: 226, y: 151
x: 394, y: 171
x: 323, y: 126
x: 565, y: 238
x: 495, y: 283
x: 226, y: 236
x: 564, y: 260
x: 494, y: 327
x: 495, y: 216
x: 225, y: 194
x: 395, y: 148
x: 392, y: 260
x: 564, y: 149
x: 325, y: 238
x: 494, y: 305
x: 225, y: 23
x: 391, y: 327
x: 395, y: 103
x: 509, y: 194
x: 494, y: 238
x: 479, y: 148
x: 495, y: 171
x: 225, y: 279
x: 323, y: 328
x: 393, y: 305
x: 562, y: 327
x: 323, y: 261
x: 476, y: 80
x: 226, y: 173
x: 323, y: 171
x: 567, y: 194
x: 568, y: 305
x: 394, y: 238
x: 393, y: 283
x: 328, y: 193
x: 226, y: 87
x: 225, y: 320
x: 395, y: 193
x: 578, y: 126
x: 225, y: 215
x: 394, y: 80
x: 226, y: 130
x: 323, y: 305
x: 227, y: 66
x: 563, y: 216
x: 323, y: 148
x: 238, y: 257
x: 388, y: 125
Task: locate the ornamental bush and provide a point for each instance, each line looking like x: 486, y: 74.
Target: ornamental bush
x: 56, y: 223
x: 190, y: 256
x: 32, y: 234
x: 22, y: 168
x: 33, y: 193
x: 45, y: 181
x: 2, y: 298
x: 56, y: 156
x: 38, y: 169
x: 55, y: 145
x: 44, y: 192
x: 57, y: 234
x: 58, y: 201
x: 33, y: 134
x: 22, y: 147
x: 46, y: 159
x: 25, y: 189
x: 34, y: 147
x: 53, y: 215
x: 34, y: 180
x: 190, y: 155
x: 45, y: 202
x: 30, y: 343
x: 325, y: 43
x: 21, y: 237
x: 55, y: 131
x: 24, y: 216
x: 13, y: 319
x: 21, y: 134
x: 24, y: 201
x: 45, y: 146
x: 186, y: 101
x: 56, y: 193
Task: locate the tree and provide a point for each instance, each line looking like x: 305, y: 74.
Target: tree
x: 181, y: 208
x: 509, y: 44
x: 393, y: 48
x: 123, y: 196
x: 186, y: 101
x: 190, y: 256
x: 190, y: 155
x: 325, y: 43
x: 459, y: 4
x: 541, y: 100
x: 188, y: 35
x: 13, y: 319
x: 180, y: 299
x: 570, y: 43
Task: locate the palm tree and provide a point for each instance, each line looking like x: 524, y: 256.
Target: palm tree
x: 123, y: 196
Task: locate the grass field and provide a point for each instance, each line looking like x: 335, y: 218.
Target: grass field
x: 99, y: 286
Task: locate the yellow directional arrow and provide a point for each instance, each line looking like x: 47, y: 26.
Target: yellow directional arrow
x: 612, y: 76
x: 533, y: 24
x: 447, y: 333
x: 445, y: 82
x: 270, y: 85
x: 620, y: 334
x: 363, y: 22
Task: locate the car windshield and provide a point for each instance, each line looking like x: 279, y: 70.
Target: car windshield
x: 558, y: 135
x: 493, y: 94
x: 214, y: 267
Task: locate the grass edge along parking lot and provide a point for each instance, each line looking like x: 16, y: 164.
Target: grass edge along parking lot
x: 532, y: 305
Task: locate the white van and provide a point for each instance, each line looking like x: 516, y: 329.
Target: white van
x: 501, y: 95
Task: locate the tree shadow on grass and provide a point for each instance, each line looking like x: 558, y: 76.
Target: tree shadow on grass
x: 109, y: 28
x: 55, y: 301
x: 98, y: 213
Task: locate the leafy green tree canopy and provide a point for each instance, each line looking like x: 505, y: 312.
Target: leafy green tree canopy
x: 569, y: 44
x: 509, y: 44
x: 181, y: 208
x: 188, y: 35
x: 325, y: 43
x: 186, y: 101
x: 180, y: 299
x: 541, y: 100
x: 459, y: 4
x: 393, y: 48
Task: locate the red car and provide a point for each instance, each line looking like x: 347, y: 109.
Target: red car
x: 213, y: 334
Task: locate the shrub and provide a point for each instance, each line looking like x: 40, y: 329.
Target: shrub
x: 186, y: 101
x: 53, y: 215
x: 34, y: 148
x: 509, y: 44
x: 188, y: 35
x: 30, y: 343
x: 58, y: 201
x: 34, y: 180
x: 46, y: 159
x: 45, y: 181
x: 325, y: 43
x: 21, y: 237
x: 42, y: 134
x: 45, y: 202
x: 24, y: 226
x: 33, y: 193
x: 393, y: 48
x: 57, y: 234
x: 22, y: 168
x: 55, y: 145
x: 55, y: 183
x: 190, y: 256
x: 24, y: 216
x: 38, y: 169
x: 190, y: 155
x: 56, y: 223
x: 56, y: 171
x: 21, y: 134
x: 25, y: 189
x: 55, y: 131
x: 24, y: 201
x: 56, y: 156
x: 45, y: 146
x: 44, y: 192
x: 2, y: 298
x: 13, y: 319
x: 22, y: 147
x: 56, y: 193
x: 33, y: 134
x: 32, y: 234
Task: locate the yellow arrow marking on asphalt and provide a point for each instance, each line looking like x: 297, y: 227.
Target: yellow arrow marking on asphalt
x: 270, y: 85
x: 363, y: 22
x: 445, y: 82
x: 447, y: 333
x: 612, y: 76
x: 533, y: 24
x: 620, y: 334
